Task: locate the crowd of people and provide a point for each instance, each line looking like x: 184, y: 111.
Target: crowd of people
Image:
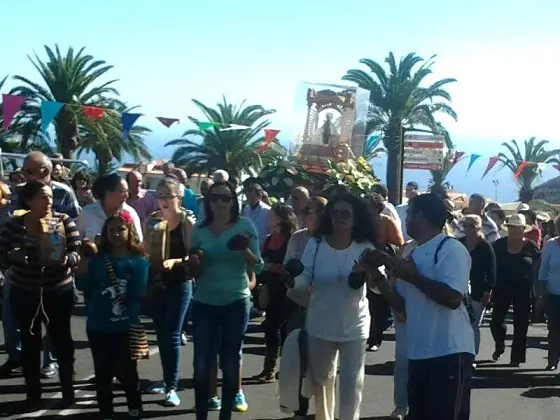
x: 329, y: 274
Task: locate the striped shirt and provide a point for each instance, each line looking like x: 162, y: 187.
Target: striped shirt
x: 64, y: 199
x: 31, y: 275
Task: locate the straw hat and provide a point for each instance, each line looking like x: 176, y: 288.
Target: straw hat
x: 518, y: 220
x: 543, y: 217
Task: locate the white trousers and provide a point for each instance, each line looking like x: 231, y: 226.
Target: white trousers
x: 322, y: 368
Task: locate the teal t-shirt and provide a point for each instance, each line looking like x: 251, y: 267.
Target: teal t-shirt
x: 108, y: 308
x: 224, y: 278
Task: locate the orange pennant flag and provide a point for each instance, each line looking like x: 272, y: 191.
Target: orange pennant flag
x: 269, y: 136
x: 520, y: 169
x: 93, y: 112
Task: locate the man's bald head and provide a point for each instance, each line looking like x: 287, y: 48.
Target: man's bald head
x: 37, y: 167
x: 300, y: 195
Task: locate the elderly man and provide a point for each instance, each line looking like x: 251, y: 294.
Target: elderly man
x: 36, y: 167
x: 257, y: 211
x: 220, y: 176
x: 190, y: 201
x: 138, y: 198
x: 300, y: 196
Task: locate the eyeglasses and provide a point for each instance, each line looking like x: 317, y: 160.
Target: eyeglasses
x: 341, y: 214
x: 224, y: 198
x: 41, y: 171
x: 306, y: 211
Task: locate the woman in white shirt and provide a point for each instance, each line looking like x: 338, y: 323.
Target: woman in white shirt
x: 111, y: 192
x: 338, y: 316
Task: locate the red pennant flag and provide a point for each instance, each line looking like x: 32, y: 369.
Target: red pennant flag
x: 11, y: 105
x: 520, y: 169
x: 93, y: 112
x: 557, y: 167
x: 458, y: 156
x: 269, y: 136
x: 168, y: 122
x: 491, y: 163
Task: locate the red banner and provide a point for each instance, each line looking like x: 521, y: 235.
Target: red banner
x: 269, y: 136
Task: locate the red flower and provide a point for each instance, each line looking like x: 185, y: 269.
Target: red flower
x: 125, y: 216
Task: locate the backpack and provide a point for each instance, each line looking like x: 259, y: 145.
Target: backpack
x: 466, y: 298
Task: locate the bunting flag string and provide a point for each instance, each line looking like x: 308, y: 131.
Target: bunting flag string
x: 168, y: 122
x: 269, y: 136
x: 11, y: 106
x: 458, y: 156
x: 49, y: 110
x: 520, y: 169
x: 93, y: 112
x: 491, y: 163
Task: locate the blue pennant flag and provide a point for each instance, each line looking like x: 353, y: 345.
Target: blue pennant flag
x: 49, y: 110
x: 128, y: 121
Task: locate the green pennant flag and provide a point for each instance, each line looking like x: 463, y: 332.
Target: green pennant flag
x: 205, y: 126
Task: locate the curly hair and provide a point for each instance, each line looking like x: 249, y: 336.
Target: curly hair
x: 363, y: 229
x: 135, y: 246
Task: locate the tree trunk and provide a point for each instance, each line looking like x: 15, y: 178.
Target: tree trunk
x: 393, y: 174
x: 66, y: 133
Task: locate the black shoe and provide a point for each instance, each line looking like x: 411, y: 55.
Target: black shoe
x: 10, y: 369
x: 31, y: 405
x: 497, y: 354
x: 49, y: 371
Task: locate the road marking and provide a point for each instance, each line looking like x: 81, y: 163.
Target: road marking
x: 71, y: 411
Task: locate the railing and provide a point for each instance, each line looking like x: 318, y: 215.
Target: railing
x: 23, y: 155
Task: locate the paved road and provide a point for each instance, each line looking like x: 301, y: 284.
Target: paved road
x: 500, y: 392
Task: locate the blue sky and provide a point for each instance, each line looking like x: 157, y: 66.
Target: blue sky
x: 167, y: 52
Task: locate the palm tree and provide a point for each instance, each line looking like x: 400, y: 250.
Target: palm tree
x: 74, y: 79
x: 536, y: 154
x: 235, y: 151
x: 399, y: 101
x: 438, y: 180
x: 373, y: 148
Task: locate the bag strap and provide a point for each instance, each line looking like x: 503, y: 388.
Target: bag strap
x: 319, y: 240
x: 440, y: 245
x: 110, y: 270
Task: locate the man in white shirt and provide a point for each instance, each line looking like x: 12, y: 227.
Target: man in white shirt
x: 257, y: 211
x: 430, y: 289
x: 389, y: 209
x: 411, y: 190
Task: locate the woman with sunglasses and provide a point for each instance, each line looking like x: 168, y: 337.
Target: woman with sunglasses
x: 338, y: 319
x: 229, y: 249
x: 80, y: 185
x: 483, y: 270
x: 171, y: 285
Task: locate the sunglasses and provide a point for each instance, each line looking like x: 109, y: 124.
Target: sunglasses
x: 224, y: 198
x: 41, y: 171
x: 165, y: 196
x: 341, y: 214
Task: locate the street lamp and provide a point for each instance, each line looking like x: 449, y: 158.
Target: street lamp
x: 496, y: 183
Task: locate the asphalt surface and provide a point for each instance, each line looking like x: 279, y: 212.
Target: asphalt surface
x: 499, y: 392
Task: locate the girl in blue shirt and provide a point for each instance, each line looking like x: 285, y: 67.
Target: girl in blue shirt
x: 112, y: 308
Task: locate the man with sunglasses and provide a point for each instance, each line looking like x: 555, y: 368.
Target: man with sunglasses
x: 36, y: 167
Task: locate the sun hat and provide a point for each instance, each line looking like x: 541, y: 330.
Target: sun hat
x: 543, y: 217
x: 518, y: 220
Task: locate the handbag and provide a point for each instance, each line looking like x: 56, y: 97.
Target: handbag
x: 137, y: 338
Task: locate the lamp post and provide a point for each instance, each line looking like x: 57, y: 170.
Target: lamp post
x: 496, y: 184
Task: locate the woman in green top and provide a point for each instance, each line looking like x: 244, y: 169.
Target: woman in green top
x: 220, y: 308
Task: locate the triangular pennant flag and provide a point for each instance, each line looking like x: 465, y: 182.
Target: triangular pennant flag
x: 49, y: 110
x: 93, y: 112
x: 520, y: 169
x: 269, y: 136
x: 128, y: 119
x: 557, y: 167
x: 232, y: 127
x: 168, y: 122
x: 11, y: 105
x: 205, y: 126
x: 491, y: 163
x: 473, y: 160
x: 458, y: 156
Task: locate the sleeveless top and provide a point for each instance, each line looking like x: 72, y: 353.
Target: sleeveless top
x: 273, y: 256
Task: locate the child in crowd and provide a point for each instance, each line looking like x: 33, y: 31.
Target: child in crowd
x: 114, y: 282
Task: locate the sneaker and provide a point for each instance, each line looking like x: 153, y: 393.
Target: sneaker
x: 10, y: 369
x: 171, y: 399
x: 184, y: 339
x: 398, y: 413
x: 134, y: 414
x: 157, y: 388
x: 214, y: 404
x: 373, y: 348
x: 49, y: 370
x: 240, y: 402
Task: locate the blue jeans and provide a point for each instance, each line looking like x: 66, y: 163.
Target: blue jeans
x: 225, y: 325
x: 12, y: 341
x: 169, y: 307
